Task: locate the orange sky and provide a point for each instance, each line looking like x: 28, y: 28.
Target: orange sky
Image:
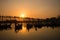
x: 31, y: 8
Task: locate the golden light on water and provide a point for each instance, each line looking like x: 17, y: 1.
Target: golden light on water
x: 23, y: 31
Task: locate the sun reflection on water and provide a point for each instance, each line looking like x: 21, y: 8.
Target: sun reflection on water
x: 23, y: 31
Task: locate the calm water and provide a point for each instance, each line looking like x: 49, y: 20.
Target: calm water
x: 43, y: 33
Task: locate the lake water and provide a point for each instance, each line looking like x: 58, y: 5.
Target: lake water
x: 43, y: 33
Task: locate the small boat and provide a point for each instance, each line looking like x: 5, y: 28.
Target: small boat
x: 5, y: 25
x: 18, y: 27
x: 37, y: 25
x: 29, y: 25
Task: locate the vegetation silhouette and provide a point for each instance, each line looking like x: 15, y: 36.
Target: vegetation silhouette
x: 30, y: 23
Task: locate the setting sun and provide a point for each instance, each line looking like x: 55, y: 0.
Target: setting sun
x: 23, y: 15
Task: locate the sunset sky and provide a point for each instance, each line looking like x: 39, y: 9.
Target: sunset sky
x: 30, y: 8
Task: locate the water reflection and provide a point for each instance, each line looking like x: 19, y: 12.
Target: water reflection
x: 28, y: 31
x: 28, y: 26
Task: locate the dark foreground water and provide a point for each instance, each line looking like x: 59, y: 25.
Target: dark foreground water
x: 43, y: 33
